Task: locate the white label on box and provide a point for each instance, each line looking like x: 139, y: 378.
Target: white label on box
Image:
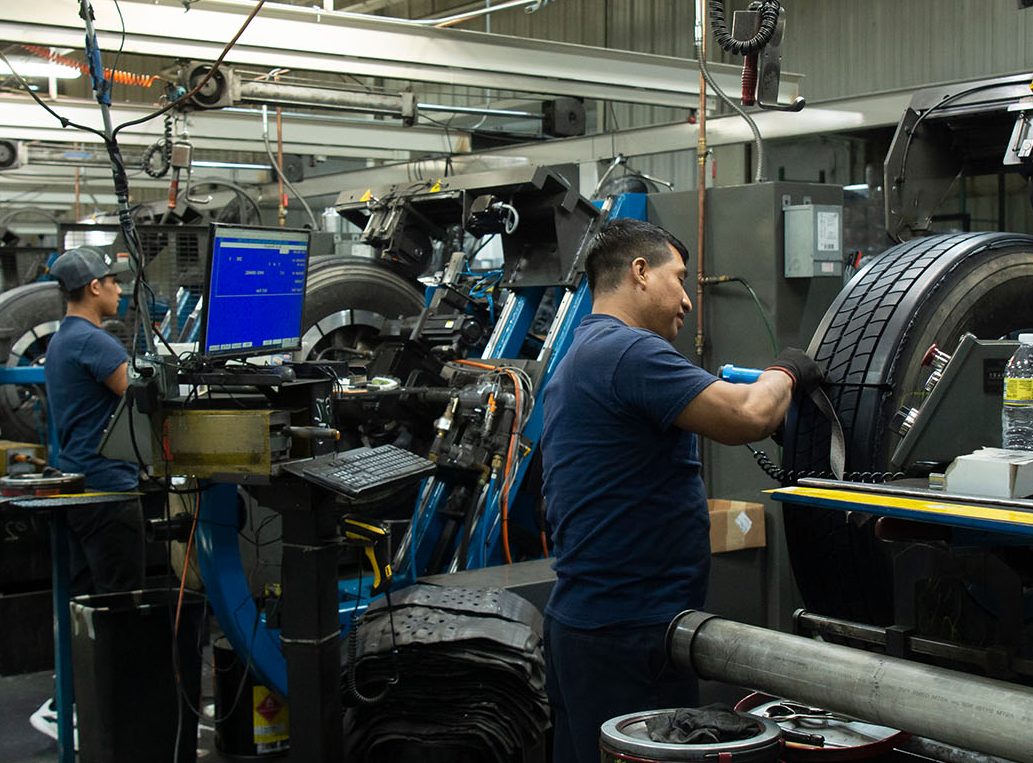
x: 828, y: 267
x: 743, y: 522
x: 828, y: 231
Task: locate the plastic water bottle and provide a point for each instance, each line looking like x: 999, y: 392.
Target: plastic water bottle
x: 1017, y: 412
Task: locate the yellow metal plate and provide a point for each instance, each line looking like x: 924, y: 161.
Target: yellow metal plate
x: 204, y: 443
x: 875, y: 501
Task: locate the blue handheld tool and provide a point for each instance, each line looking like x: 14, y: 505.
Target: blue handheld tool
x: 736, y: 375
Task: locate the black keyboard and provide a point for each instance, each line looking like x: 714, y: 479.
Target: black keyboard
x: 363, y: 471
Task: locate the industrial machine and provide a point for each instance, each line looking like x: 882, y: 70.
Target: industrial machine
x: 401, y: 437
x: 449, y: 384
x: 887, y: 343
x: 429, y: 417
x: 914, y: 348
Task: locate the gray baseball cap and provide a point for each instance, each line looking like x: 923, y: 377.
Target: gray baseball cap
x: 77, y: 267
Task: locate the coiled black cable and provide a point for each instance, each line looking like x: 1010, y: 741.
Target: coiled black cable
x: 351, y: 642
x: 163, y: 144
x: 350, y: 681
x: 769, y: 10
x: 792, y: 476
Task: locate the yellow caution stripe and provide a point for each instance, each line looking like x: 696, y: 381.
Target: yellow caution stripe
x: 918, y: 505
x: 128, y: 494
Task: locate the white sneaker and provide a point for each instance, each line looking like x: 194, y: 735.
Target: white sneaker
x: 44, y: 720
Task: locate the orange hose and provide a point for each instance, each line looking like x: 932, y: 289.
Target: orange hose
x: 475, y: 364
x: 514, y: 434
x: 116, y: 75
x: 507, y: 482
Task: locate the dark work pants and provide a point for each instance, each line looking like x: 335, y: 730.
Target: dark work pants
x: 595, y: 675
x: 107, y: 547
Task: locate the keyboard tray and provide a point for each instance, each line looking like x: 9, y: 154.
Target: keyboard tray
x: 361, y: 472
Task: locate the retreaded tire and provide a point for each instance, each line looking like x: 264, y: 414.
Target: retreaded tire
x: 347, y: 298
x: 870, y: 343
x: 34, y: 313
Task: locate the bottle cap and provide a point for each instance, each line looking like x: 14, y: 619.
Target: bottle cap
x: 1026, y: 338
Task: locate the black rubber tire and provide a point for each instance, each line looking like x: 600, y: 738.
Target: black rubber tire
x: 870, y: 343
x: 341, y: 283
x: 27, y: 310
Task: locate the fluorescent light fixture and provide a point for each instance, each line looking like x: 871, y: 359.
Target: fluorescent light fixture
x: 232, y: 165
x: 856, y: 187
x: 32, y: 68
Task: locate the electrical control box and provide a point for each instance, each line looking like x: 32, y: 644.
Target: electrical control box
x: 813, y: 240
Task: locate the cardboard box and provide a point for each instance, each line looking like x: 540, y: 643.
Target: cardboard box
x: 735, y: 525
x: 992, y: 472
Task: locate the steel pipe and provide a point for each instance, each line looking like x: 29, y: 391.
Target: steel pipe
x: 261, y: 91
x: 979, y: 714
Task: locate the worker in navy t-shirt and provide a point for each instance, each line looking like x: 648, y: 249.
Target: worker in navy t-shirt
x: 86, y: 374
x: 626, y: 506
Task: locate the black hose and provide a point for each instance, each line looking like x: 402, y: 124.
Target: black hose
x: 768, y: 21
x: 240, y: 192
x: 758, y: 140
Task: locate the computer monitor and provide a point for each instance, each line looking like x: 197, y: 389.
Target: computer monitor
x: 254, y: 291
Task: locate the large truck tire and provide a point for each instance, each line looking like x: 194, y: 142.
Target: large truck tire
x: 871, y: 343
x: 33, y: 312
x: 347, y: 297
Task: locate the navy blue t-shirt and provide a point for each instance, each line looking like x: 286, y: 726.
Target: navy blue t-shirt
x: 79, y: 358
x: 625, y: 502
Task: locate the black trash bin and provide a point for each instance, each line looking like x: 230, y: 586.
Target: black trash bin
x: 125, y: 688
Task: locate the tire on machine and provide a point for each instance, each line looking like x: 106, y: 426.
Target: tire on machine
x: 33, y: 312
x: 370, y: 291
x: 871, y: 343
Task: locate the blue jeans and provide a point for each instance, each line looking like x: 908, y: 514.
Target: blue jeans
x: 595, y: 675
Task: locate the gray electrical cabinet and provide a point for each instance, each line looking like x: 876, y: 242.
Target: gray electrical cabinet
x: 813, y: 240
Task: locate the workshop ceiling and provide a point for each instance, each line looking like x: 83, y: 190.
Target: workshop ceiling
x: 455, y: 74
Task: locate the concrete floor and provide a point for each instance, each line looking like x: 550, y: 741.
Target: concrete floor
x: 20, y: 743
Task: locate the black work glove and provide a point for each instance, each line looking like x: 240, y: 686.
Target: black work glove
x: 806, y: 374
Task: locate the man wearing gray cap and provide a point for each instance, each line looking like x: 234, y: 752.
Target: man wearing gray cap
x: 87, y: 372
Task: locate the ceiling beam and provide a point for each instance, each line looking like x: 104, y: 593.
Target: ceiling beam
x: 313, y: 39
x: 849, y: 114
x: 824, y: 118
x: 55, y: 199
x: 238, y: 130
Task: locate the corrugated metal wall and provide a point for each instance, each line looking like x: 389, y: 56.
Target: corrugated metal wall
x: 849, y: 47
x: 843, y: 47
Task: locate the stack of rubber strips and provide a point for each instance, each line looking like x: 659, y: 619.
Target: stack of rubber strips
x: 469, y: 672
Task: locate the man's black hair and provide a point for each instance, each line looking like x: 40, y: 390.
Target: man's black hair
x: 620, y: 242
x: 76, y: 295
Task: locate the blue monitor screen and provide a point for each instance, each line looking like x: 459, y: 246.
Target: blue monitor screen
x: 255, y: 292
